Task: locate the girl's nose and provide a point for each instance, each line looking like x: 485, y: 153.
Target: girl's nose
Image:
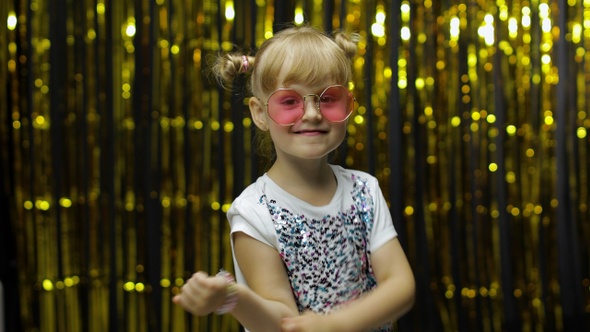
x: 311, y: 108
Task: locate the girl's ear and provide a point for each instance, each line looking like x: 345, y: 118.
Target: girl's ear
x: 258, y: 113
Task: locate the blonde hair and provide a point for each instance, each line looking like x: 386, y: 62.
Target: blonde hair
x: 294, y: 55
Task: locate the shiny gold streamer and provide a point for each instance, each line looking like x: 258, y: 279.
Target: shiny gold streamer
x: 143, y: 138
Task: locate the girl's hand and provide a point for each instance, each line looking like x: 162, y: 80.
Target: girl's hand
x: 309, y: 322
x: 202, y: 294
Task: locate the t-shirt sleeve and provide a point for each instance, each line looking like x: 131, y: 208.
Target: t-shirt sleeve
x: 383, y: 229
x: 249, y: 216
x: 252, y: 218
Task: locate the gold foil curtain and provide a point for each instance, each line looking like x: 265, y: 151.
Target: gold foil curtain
x: 120, y: 157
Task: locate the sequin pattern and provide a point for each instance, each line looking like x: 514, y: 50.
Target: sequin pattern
x: 327, y: 259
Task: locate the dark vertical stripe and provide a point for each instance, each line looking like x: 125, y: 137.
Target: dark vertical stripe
x: 58, y: 60
x: 535, y: 119
x: 535, y: 90
x: 569, y: 273
x: 152, y: 207
x: 108, y: 167
x: 472, y: 165
x: 396, y: 124
x: 219, y: 158
x: 473, y: 162
x: 425, y: 301
x: 343, y: 13
x: 283, y: 16
x: 396, y: 146
x: 140, y: 167
x: 83, y: 175
x: 238, y: 110
x: 457, y: 221
x: 456, y: 239
x: 28, y: 89
x: 369, y: 80
x: 328, y: 7
x: 9, y: 246
x: 512, y: 319
x: 255, y: 157
x: 190, y: 168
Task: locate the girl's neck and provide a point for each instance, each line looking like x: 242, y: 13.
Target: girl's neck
x: 312, y: 181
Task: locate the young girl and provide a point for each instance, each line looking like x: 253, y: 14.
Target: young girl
x: 314, y: 245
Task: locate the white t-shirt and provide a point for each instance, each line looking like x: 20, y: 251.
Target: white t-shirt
x: 326, y: 249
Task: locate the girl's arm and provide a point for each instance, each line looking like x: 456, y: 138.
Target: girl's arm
x: 268, y: 297
x: 391, y: 299
x: 261, y: 305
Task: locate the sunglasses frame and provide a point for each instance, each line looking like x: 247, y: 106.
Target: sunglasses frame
x: 317, y: 102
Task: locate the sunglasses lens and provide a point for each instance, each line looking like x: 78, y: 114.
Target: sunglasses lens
x: 336, y: 103
x: 285, y: 106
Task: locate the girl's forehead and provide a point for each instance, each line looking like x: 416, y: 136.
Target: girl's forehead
x: 302, y: 88
x: 312, y: 85
x: 309, y: 68
x: 306, y: 88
